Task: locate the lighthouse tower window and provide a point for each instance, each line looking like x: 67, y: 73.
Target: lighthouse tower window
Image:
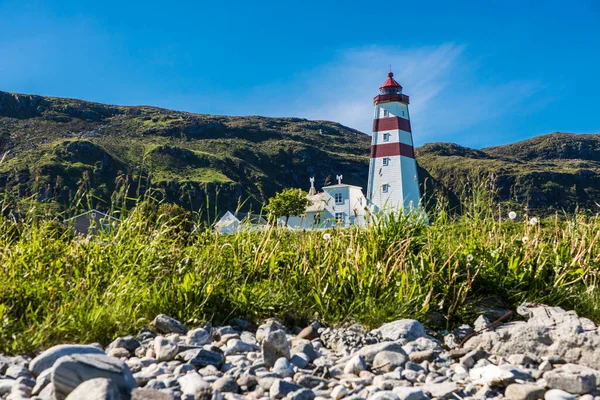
x: 339, y: 199
x: 386, y: 162
x: 385, y: 188
x: 386, y: 137
x: 386, y: 113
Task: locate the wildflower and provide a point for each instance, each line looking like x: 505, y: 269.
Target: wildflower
x: 349, y: 251
x: 525, y: 239
x: 533, y: 221
x: 512, y: 215
x: 327, y: 236
x: 469, y: 258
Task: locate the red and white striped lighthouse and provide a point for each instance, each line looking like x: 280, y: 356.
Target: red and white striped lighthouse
x: 393, y: 181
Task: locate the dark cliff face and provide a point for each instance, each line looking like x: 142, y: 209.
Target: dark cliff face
x: 60, y: 147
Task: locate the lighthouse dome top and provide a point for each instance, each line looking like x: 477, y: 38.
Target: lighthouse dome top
x: 390, y: 91
x: 390, y: 86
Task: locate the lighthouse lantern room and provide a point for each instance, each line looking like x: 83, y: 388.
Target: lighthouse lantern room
x: 393, y: 181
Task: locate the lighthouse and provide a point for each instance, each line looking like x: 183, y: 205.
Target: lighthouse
x: 393, y: 181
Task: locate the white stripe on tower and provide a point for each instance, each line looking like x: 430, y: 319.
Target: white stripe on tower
x: 393, y: 182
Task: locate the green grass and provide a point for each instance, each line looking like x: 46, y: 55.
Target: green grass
x: 57, y: 288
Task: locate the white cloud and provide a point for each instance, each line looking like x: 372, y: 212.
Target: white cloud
x: 446, y: 95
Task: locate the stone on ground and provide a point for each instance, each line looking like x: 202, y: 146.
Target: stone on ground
x: 95, y: 389
x: 165, y: 325
x: 165, y: 349
x: 70, y: 371
x: 275, y: 346
x: 549, y: 331
x: 49, y: 357
x: 410, y: 393
x: 557, y: 394
x: 389, y: 360
x: 148, y: 394
x: 408, y: 329
x: 192, y: 383
x: 525, y: 391
x: 280, y: 388
x: 301, y: 394
x: 440, y: 390
x: 572, y: 378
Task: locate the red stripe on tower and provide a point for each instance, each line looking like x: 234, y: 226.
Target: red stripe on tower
x: 392, y: 149
x: 390, y: 124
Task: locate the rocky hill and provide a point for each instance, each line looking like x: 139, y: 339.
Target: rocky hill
x: 56, y: 148
x: 59, y: 146
x: 554, y: 172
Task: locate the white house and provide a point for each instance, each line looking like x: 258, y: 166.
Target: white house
x: 393, y: 183
x: 336, y: 205
x: 231, y: 223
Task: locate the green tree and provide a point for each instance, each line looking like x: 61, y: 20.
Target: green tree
x: 287, y: 203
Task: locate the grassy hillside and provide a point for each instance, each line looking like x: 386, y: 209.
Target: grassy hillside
x: 60, y: 149
x: 555, y: 172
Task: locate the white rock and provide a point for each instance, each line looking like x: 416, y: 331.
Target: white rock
x: 572, y: 378
x: 491, y: 375
x: 300, y: 360
x: 481, y: 322
x: 557, y: 394
x: 280, y: 388
x: 410, y: 393
x: 165, y: 325
x: 384, y: 395
x: 192, y: 383
x: 370, y: 351
x: 408, y: 329
x: 275, y: 346
x: 198, y: 337
x: 270, y: 326
x: 283, y: 368
x: 95, y: 389
x: 49, y: 357
x: 70, y: 371
x: 440, y: 389
x: 355, y: 365
x: 389, y: 360
x: 165, y: 349
x: 6, y: 385
x: 527, y: 391
x: 339, y: 392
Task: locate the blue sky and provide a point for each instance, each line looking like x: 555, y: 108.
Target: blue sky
x: 478, y: 73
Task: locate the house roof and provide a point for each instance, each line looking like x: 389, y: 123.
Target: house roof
x: 390, y: 82
x: 92, y: 212
x: 255, y: 219
x: 340, y: 185
x: 317, y: 202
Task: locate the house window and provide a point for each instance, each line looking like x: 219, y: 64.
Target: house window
x: 339, y: 216
x: 386, y: 113
x: 386, y: 137
x: 339, y: 199
x: 385, y: 188
x: 386, y: 162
